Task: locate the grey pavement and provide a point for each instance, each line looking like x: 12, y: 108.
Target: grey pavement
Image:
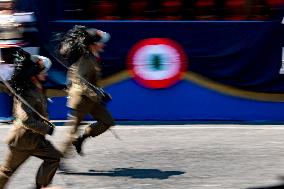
x: 169, y: 157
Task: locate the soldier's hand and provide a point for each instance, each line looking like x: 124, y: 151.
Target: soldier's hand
x: 51, y: 130
x: 51, y: 127
x: 106, y: 97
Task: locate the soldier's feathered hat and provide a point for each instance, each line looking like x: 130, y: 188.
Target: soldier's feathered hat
x: 76, y: 41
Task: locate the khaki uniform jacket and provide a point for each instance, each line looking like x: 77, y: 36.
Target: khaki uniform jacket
x: 29, y: 128
x: 86, y: 67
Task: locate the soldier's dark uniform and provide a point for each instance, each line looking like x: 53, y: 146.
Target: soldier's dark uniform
x: 27, y: 136
x: 83, y: 100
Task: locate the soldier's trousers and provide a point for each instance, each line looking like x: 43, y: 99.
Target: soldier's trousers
x: 16, y: 157
x: 98, y: 111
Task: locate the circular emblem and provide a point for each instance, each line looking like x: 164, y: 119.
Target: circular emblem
x: 157, y: 62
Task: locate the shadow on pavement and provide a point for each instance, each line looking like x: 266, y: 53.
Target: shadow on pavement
x: 130, y: 172
x: 280, y: 186
x: 270, y: 187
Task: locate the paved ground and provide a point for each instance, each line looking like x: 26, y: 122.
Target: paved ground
x: 170, y: 157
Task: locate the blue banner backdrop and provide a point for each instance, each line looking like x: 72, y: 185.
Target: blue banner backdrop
x: 232, y: 71
x: 245, y: 55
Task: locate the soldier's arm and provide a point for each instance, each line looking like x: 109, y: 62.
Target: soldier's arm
x: 91, y: 94
x: 26, y: 117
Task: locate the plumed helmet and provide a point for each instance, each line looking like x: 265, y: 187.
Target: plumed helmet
x: 76, y: 41
x: 46, y: 61
x: 98, y: 36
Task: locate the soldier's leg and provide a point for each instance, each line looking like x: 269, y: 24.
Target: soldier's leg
x: 51, y: 158
x: 14, y: 158
x: 104, y: 122
x: 75, y: 117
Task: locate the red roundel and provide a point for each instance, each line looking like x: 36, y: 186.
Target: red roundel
x: 157, y: 62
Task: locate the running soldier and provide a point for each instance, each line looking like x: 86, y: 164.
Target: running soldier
x: 82, y: 46
x: 27, y: 137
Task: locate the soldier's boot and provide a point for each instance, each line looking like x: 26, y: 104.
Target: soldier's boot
x: 78, y: 144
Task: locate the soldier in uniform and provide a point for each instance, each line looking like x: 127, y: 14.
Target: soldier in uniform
x: 81, y: 46
x: 27, y: 137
